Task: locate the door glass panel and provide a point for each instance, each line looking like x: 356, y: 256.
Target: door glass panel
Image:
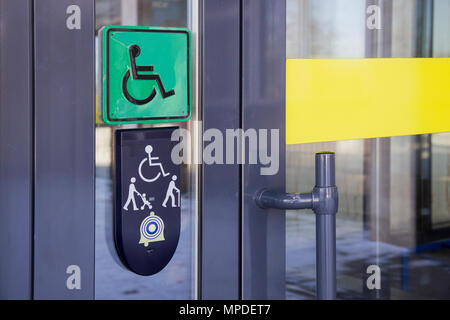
x: 178, y: 279
x: 394, y: 207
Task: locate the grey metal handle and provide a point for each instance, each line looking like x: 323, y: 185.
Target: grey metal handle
x: 323, y: 200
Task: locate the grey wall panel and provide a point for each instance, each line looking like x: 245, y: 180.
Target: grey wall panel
x: 263, y: 107
x: 15, y: 149
x: 220, y: 222
x: 64, y: 133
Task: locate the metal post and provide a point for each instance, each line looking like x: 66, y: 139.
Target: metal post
x: 323, y: 200
x: 325, y: 231
x: 326, y: 256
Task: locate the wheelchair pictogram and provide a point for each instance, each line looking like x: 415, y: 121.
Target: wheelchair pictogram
x: 151, y: 162
x: 134, y: 52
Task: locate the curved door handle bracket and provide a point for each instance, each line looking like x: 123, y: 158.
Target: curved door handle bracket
x: 323, y: 199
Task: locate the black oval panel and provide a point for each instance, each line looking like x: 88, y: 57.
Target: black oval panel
x: 147, y: 199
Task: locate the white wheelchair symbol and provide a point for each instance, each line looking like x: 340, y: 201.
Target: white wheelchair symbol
x: 151, y: 163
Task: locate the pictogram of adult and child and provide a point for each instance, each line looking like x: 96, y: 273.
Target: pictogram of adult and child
x: 172, y: 193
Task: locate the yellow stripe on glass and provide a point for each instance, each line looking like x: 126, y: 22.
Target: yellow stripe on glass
x: 342, y: 99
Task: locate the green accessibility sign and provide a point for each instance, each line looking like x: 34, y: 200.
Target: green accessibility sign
x: 146, y: 74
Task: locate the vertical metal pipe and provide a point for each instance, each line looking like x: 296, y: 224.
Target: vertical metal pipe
x: 325, y: 168
x: 324, y: 201
x: 326, y: 256
x: 325, y: 229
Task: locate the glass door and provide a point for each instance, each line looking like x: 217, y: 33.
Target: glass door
x: 393, y: 223
x: 393, y: 220
x: 179, y: 279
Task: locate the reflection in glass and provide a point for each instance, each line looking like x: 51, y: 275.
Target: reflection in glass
x: 112, y: 280
x: 394, y: 207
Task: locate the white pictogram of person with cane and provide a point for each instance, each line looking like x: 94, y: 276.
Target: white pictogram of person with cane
x: 169, y: 194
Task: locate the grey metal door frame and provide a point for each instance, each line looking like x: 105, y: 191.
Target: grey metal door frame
x: 16, y: 149
x: 47, y: 181
x: 220, y: 243
x: 263, y: 107
x: 243, y: 86
x: 64, y: 95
